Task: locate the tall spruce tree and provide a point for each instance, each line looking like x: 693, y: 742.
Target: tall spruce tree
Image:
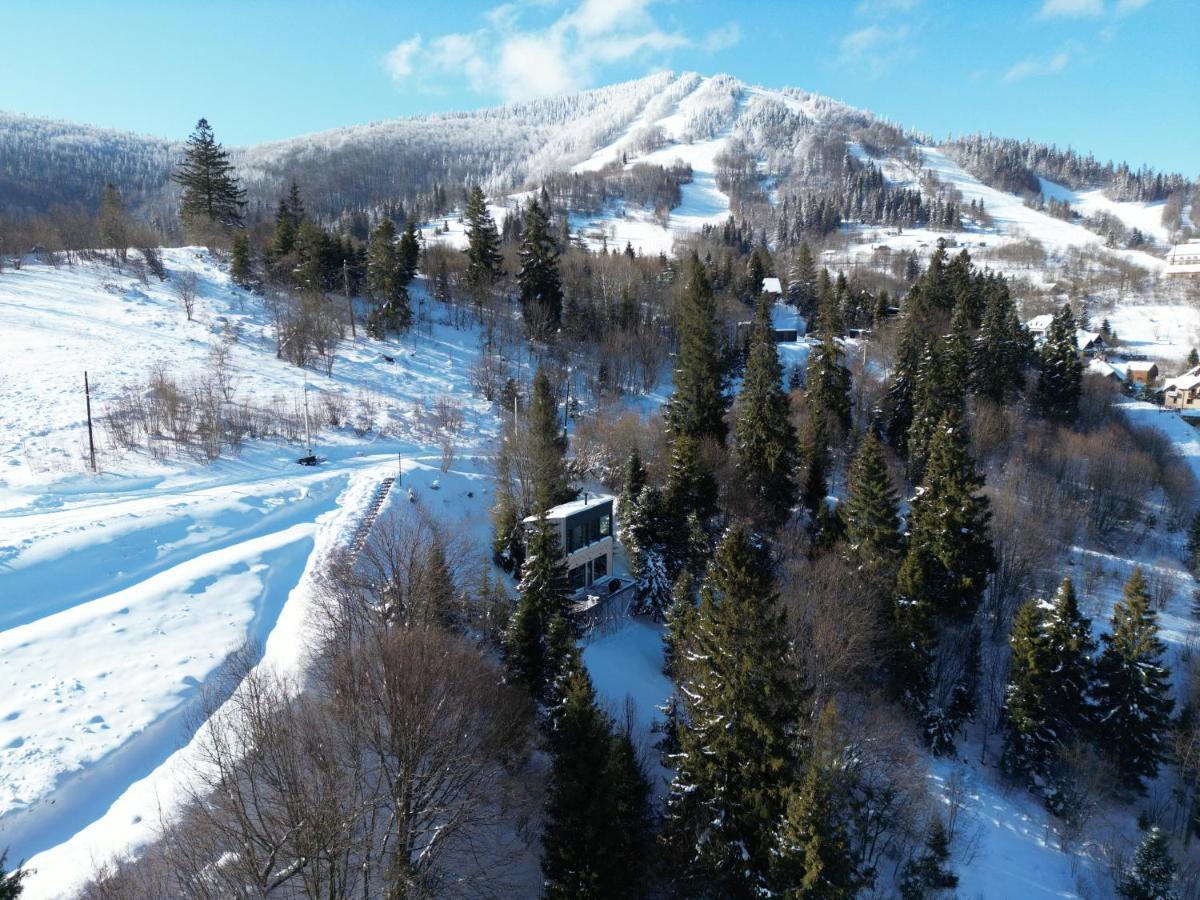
x: 689, y: 494
x: 802, y: 282
x: 240, y: 265
x: 597, y: 815
x: 813, y: 857
x: 543, y: 595
x: 114, y: 221
x: 1133, y: 706
x: 873, y: 540
x: 1001, y: 352
x: 386, y: 283
x: 1047, y: 701
x: 925, y: 875
x: 897, y: 412
x: 697, y: 406
x: 940, y: 582
x: 1060, y: 371
x: 765, y: 441
x: 828, y: 381
x: 538, y: 279
x: 547, y: 446
x: 738, y: 740
x: 211, y: 192
x: 1152, y: 875
x: 408, y: 253
x: 815, y: 459
x: 483, y: 243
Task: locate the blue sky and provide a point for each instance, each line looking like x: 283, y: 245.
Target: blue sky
x: 1117, y: 77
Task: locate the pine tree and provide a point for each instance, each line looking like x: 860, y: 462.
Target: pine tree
x: 596, y: 823
x: 738, y: 738
x: 1152, y: 875
x: 385, y: 282
x: 813, y: 858
x: 12, y: 884
x: 538, y: 279
x: 1060, y: 376
x: 828, y: 382
x: 802, y: 282
x: 1001, y: 350
x: 114, y: 221
x: 765, y: 441
x: 690, y: 492
x: 870, y: 512
x: 814, y: 454
x: 1193, y: 543
x: 483, y: 243
x: 643, y: 538
x: 240, y: 266
x: 408, y: 254
x: 680, y: 620
x: 547, y: 446
x: 897, y: 413
x: 211, y: 193
x: 924, y: 875
x: 697, y: 406
x: 940, y: 582
x: 288, y: 216
x: 434, y: 593
x: 1133, y: 687
x: 543, y: 595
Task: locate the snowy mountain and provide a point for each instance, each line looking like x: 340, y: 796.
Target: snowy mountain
x: 766, y: 146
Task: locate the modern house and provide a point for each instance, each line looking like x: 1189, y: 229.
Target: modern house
x: 585, y: 533
x: 1184, y: 259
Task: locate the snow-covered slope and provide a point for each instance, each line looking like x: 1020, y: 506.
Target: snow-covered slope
x: 121, y: 594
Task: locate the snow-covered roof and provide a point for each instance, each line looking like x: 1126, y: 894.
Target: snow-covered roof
x: 1040, y: 323
x: 1104, y: 369
x: 772, y: 286
x: 569, y: 509
x: 1140, y: 365
x: 1185, y: 382
x: 1085, y: 338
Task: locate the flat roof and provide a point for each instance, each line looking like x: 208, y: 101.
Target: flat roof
x: 563, y: 510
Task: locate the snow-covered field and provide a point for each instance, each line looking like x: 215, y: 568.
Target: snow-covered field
x: 122, y: 593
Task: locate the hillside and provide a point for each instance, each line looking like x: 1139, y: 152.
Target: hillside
x: 793, y: 141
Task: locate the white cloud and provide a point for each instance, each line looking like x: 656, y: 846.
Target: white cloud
x: 1128, y: 6
x: 1032, y: 67
x: 514, y: 62
x: 399, y: 61
x: 874, y: 48
x: 1071, y: 9
x: 722, y: 38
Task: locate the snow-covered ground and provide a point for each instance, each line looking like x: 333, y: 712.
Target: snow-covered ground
x: 122, y: 593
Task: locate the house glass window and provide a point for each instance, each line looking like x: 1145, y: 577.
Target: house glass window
x: 600, y: 567
x: 605, y: 526
x: 577, y: 538
x: 578, y: 577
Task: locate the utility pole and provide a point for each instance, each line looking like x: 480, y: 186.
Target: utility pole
x: 87, y: 393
